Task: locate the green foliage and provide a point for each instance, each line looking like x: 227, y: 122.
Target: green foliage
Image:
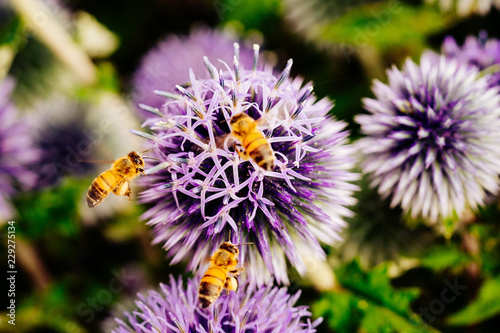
x: 252, y: 14
x: 35, y: 70
x: 369, y: 303
x: 450, y: 225
x: 13, y: 33
x: 385, y: 25
x: 441, y: 257
x: 107, y: 81
x: 340, y: 310
x: 126, y: 225
x: 46, y: 309
x: 107, y: 77
x: 52, y: 210
x: 486, y: 305
x: 487, y: 231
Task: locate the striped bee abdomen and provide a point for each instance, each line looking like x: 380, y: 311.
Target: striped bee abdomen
x: 100, y: 188
x: 260, y: 151
x: 211, y: 286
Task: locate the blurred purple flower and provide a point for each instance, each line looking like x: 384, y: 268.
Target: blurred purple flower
x: 168, y: 64
x: 16, y: 152
x: 432, y: 137
x: 62, y: 134
x: 202, y: 193
x: 269, y: 309
x: 481, y: 52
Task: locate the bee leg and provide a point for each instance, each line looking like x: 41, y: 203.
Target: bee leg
x: 141, y: 171
x: 123, y: 189
x: 241, y: 151
x: 128, y: 193
x: 237, y: 271
x: 231, y: 284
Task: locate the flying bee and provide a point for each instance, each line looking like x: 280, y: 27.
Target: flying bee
x: 221, y: 274
x: 244, y: 129
x: 116, y: 179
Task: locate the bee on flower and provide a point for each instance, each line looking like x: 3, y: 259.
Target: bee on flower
x: 208, y: 182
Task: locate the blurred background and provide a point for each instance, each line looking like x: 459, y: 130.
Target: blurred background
x: 69, y: 69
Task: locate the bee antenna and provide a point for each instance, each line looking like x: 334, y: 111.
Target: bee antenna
x: 152, y: 158
x: 250, y: 243
x: 145, y: 151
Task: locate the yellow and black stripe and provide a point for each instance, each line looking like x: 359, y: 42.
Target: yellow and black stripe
x: 100, y: 188
x: 211, y: 286
x: 260, y: 151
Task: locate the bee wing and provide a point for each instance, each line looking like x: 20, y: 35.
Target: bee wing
x: 220, y: 140
x: 261, y: 121
x: 206, y: 260
x: 97, y: 161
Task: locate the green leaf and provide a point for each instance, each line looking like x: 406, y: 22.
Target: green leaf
x: 256, y: 14
x: 385, y: 25
x: 485, y: 306
x: 108, y: 77
x: 52, y: 210
x: 375, y: 287
x: 487, y: 231
x: 442, y: 257
x: 13, y: 33
x: 48, y: 309
x: 450, y: 225
x: 369, y: 303
x: 340, y: 310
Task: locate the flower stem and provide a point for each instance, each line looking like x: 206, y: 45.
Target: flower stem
x: 31, y: 262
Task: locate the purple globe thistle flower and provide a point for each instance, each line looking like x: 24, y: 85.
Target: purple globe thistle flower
x: 62, y: 135
x: 16, y: 152
x: 175, y: 308
x: 432, y: 137
x: 168, y: 64
x: 73, y: 134
x: 481, y: 52
x: 202, y: 193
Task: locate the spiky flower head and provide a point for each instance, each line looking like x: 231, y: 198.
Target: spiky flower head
x: 168, y: 64
x: 175, y: 308
x: 203, y: 193
x: 432, y: 137
x: 16, y: 151
x: 478, y: 51
x: 467, y: 7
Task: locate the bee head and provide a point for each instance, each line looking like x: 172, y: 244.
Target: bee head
x: 136, y: 158
x: 230, y: 247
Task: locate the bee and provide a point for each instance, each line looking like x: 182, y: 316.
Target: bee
x: 116, y: 179
x: 244, y: 129
x: 221, y: 274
